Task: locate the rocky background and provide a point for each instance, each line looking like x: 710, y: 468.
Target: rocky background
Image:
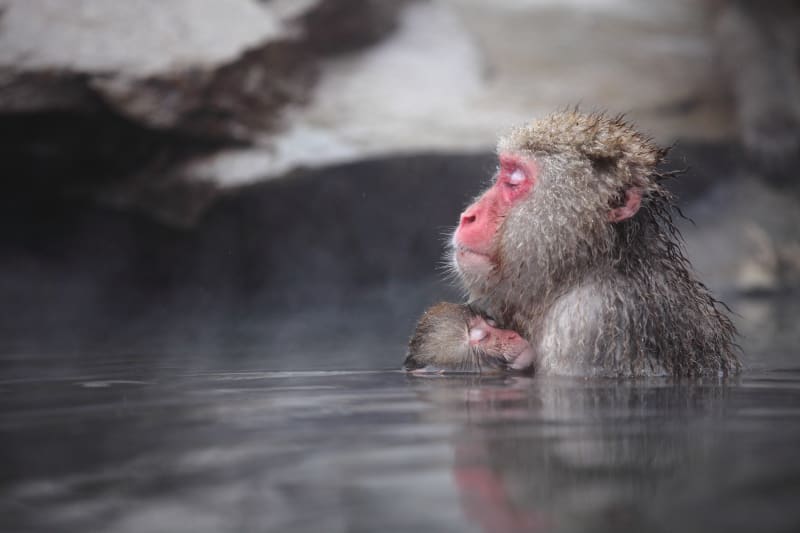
x: 273, y: 179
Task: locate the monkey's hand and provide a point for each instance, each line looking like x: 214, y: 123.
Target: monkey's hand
x: 522, y: 361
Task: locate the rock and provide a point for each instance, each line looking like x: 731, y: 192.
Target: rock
x: 183, y: 77
x: 457, y: 72
x: 210, y: 96
x: 135, y: 39
x: 180, y: 64
x: 210, y: 69
x: 757, y: 49
x: 745, y: 237
x: 758, y: 267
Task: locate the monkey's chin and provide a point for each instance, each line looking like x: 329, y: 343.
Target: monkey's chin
x: 472, y: 264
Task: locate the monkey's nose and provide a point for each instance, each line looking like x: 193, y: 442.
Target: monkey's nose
x: 467, y: 218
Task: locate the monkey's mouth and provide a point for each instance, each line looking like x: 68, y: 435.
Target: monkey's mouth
x: 465, y: 252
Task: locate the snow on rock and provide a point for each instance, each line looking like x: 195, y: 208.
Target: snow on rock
x: 457, y: 72
x: 137, y: 38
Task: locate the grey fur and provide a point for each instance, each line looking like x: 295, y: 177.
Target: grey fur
x: 441, y: 343
x: 595, y: 297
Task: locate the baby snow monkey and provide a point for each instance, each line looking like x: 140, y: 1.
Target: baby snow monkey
x: 453, y: 338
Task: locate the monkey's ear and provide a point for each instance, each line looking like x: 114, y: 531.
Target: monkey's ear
x: 632, y: 203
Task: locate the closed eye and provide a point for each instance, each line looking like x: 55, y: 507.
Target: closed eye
x: 516, y: 177
x: 477, y: 334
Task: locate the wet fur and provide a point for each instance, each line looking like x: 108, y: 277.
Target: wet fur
x: 595, y: 297
x: 441, y: 340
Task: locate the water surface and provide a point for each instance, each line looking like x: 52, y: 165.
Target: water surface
x: 137, y: 444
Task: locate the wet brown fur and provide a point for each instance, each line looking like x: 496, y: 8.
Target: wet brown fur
x: 596, y: 297
x: 441, y: 340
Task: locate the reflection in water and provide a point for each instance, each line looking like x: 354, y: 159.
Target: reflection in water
x: 260, y: 451
x: 536, y: 454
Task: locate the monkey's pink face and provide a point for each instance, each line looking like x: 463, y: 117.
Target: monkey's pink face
x: 475, y: 240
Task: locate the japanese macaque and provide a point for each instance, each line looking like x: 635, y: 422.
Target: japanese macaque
x: 574, y: 248
x: 452, y: 338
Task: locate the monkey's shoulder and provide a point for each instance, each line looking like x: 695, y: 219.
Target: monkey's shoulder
x: 616, y: 328
x: 588, y: 331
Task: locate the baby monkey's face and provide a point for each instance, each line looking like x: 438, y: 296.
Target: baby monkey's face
x: 453, y: 338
